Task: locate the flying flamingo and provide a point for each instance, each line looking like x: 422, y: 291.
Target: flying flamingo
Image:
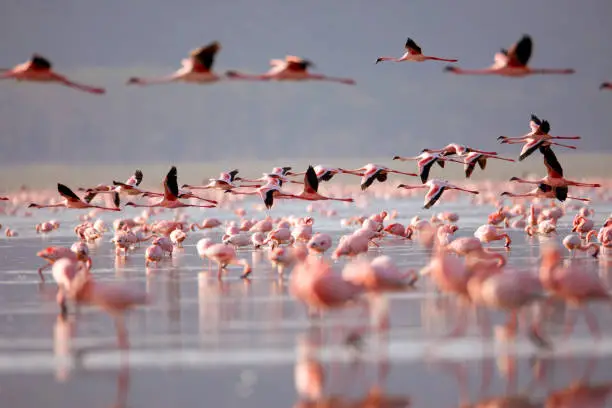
x: 71, y: 200
x: 436, y: 188
x: 546, y: 191
x: 457, y: 149
x: 268, y: 192
x: 413, y: 53
x: 539, y: 136
x: 324, y: 173
x: 170, y: 197
x: 554, y: 179
x: 425, y: 161
x: 39, y: 69
x: 311, y: 186
x: 196, y: 69
x: 606, y: 85
x: 371, y: 172
x: 474, y: 158
x: 511, y: 63
x: 291, y: 69
x: 129, y: 187
x: 224, y: 182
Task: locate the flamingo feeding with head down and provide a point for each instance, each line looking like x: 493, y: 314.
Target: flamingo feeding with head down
x: 414, y: 54
x: 511, y: 63
x: 538, y: 137
x: 436, y: 188
x: 40, y: 69
x: 371, y: 172
x: 290, y: 69
x: 170, y: 197
x: 71, y: 200
x: 196, y: 69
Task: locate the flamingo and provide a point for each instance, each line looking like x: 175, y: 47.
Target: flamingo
x: 413, y: 53
x: 425, y: 161
x: 319, y: 243
x: 223, y: 255
x: 170, y: 195
x: 371, y: 172
x: 71, y: 200
x: 457, y: 149
x: 268, y: 192
x: 311, y: 186
x: 129, y: 187
x: 539, y: 136
x: 554, y: 178
x: 436, y: 188
x: 572, y: 284
x: 573, y: 243
x: 39, y: 69
x: 474, y: 158
x: 224, y: 182
x: 511, y: 63
x: 290, y: 69
x: 546, y: 191
x: 195, y: 69
x: 379, y: 275
x: 324, y: 173
x: 488, y: 233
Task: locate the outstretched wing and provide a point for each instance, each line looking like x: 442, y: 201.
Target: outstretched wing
x: 40, y: 62
x: 311, y: 182
x: 233, y: 174
x: 550, y: 161
x: 90, y: 196
x: 204, y: 57
x: 520, y: 52
x: 469, y: 168
x: 297, y: 63
x: 171, y: 190
x: 116, y: 199
x: 138, y: 175
x: 269, y: 198
x: 412, y: 47
x: 67, y: 193
x: 561, y: 193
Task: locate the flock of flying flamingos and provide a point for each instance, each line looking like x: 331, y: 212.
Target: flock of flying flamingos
x: 312, y: 282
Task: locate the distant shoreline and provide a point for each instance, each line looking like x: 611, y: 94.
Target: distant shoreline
x: 576, y: 166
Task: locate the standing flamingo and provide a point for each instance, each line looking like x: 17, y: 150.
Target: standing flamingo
x: 511, y: 63
x: 196, y: 69
x: 71, y: 200
x: 371, y: 172
x: 39, y: 69
x: 436, y: 188
x: 290, y: 69
x: 413, y: 53
x: 170, y: 197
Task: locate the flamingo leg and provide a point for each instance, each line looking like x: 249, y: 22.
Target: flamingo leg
x: 122, y: 335
x: 591, y: 321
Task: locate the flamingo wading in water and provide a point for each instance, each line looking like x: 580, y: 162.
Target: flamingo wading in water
x: 40, y: 69
x: 511, y: 63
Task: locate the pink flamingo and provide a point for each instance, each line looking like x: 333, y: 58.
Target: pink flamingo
x: 39, y: 69
x: 54, y: 253
x: 170, y: 197
x: 223, y: 255
x: 195, y: 69
x: 425, y: 161
x: 371, y: 172
x: 319, y: 243
x: 538, y: 136
x: 554, y: 179
x: 130, y: 187
x: 545, y: 191
x: 153, y: 254
x: 291, y: 69
x: 311, y: 187
x: 573, y: 243
x: 488, y: 233
x: 224, y: 182
x: 457, y: 149
x: 474, y: 158
x: 413, y: 53
x: 114, y: 299
x: 379, y: 275
x: 572, y: 284
x: 207, y: 223
x: 71, y: 200
x: 511, y: 63
x: 436, y: 188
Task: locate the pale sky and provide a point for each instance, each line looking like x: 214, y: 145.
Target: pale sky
x: 393, y: 109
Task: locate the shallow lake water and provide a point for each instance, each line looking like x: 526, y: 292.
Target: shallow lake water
x: 204, y: 342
